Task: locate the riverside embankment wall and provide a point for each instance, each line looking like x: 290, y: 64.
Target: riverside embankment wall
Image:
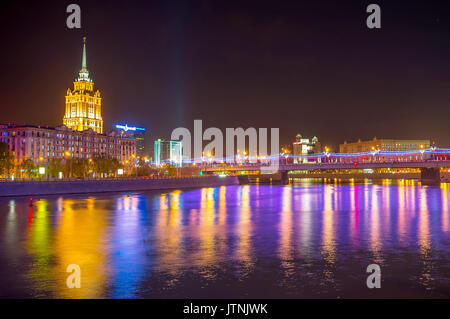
x: 22, y: 188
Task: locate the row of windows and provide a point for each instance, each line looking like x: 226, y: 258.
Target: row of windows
x: 38, y: 143
x: 59, y: 136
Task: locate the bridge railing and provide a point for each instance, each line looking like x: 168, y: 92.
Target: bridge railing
x: 335, y: 158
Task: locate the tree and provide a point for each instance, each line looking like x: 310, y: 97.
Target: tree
x: 114, y: 165
x: 6, y: 160
x: 54, y: 167
x: 105, y: 166
x: 76, y: 167
x: 171, y: 170
x: 145, y: 169
x: 28, y: 167
x: 80, y: 167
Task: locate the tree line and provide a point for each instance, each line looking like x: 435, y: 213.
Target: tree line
x: 70, y: 167
x: 98, y: 166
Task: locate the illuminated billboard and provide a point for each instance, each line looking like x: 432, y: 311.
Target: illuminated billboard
x: 126, y: 128
x: 138, y: 133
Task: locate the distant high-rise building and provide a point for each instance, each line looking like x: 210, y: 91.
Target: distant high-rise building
x: 83, y: 105
x: 168, y: 152
x: 137, y: 133
x: 383, y: 145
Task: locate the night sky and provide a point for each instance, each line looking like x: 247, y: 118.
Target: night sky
x: 309, y: 67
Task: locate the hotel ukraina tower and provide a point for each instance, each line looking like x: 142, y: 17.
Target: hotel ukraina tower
x: 83, y: 106
x: 81, y: 136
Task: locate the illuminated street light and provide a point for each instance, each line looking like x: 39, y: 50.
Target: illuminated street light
x: 67, y: 154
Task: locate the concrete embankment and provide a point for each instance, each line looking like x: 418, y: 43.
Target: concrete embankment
x: 19, y: 188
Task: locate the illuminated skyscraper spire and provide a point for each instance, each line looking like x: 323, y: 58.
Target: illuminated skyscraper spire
x: 83, y: 104
x: 83, y: 65
x: 84, y: 73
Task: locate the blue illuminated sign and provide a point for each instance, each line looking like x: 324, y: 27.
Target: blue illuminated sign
x: 126, y: 128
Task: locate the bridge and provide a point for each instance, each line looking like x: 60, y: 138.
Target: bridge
x: 429, y: 162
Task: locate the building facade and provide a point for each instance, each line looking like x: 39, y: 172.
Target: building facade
x: 168, y: 152
x: 83, y: 105
x: 305, y: 146
x: 81, y: 136
x: 384, y: 145
x: 41, y: 143
x: 137, y: 133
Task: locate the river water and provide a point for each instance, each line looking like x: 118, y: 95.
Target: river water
x: 305, y: 240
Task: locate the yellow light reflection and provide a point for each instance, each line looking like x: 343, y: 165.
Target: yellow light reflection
x: 244, y: 229
x: 39, y: 246
x: 328, y: 236
x: 80, y: 239
x: 206, y: 233
x: 170, y: 234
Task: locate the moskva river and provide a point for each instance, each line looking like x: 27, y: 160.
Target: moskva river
x: 305, y: 240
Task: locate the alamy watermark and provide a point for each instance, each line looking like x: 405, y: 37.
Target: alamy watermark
x: 374, y: 279
x: 73, y: 21
x: 74, y: 279
x: 257, y: 144
x: 373, y: 21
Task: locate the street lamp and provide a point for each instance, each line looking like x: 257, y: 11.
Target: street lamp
x: 68, y: 154
x: 136, y: 164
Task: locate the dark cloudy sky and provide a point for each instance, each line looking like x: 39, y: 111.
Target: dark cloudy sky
x: 310, y: 67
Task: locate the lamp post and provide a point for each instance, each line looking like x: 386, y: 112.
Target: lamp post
x: 135, y: 163
x: 68, y: 154
x: 127, y: 165
x: 41, y: 171
x: 90, y: 166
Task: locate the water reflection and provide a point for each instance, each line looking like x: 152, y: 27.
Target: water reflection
x: 328, y: 235
x: 424, y: 240
x: 306, y: 239
x: 286, y: 245
x: 244, y: 232
x: 81, y: 238
x: 375, y: 229
x: 445, y: 209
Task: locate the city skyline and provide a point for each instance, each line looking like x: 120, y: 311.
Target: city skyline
x: 314, y: 89
x: 234, y: 157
